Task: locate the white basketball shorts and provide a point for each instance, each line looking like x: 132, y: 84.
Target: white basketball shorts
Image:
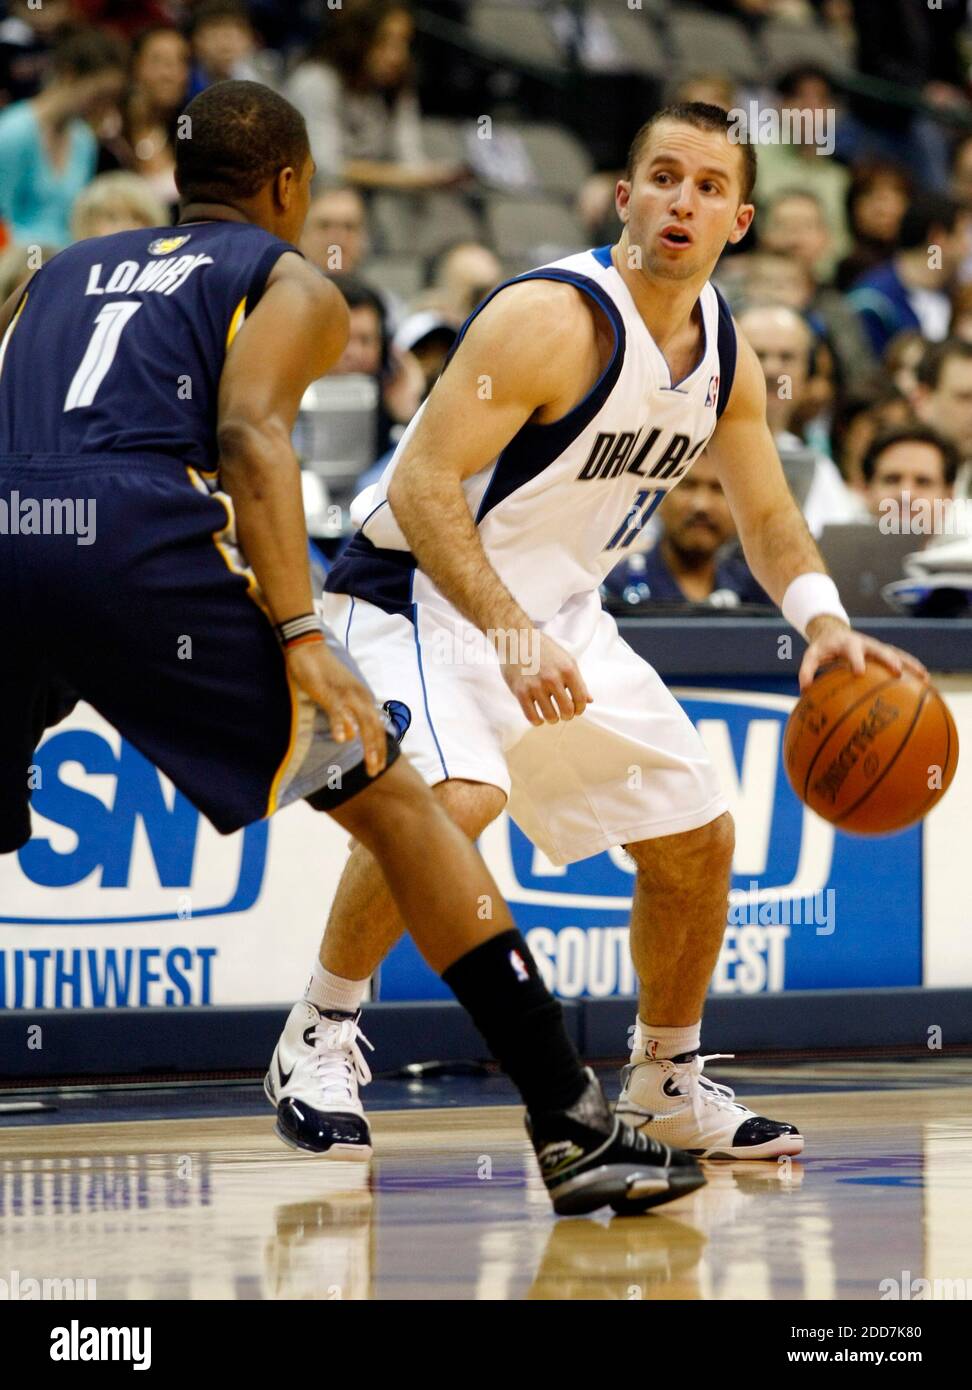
x: 630, y: 768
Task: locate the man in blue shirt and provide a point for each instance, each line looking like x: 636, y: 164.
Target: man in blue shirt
x: 911, y: 291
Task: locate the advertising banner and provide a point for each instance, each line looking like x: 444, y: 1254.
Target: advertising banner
x: 126, y: 897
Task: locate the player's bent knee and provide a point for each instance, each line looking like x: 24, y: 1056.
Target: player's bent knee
x: 707, y: 849
x: 387, y: 805
x: 472, y: 805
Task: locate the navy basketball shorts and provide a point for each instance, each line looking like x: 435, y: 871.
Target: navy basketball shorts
x: 121, y: 584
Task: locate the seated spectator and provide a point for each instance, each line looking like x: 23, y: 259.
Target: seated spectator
x: 369, y: 351
x: 783, y: 342
x: 458, y: 278
x: 357, y: 94
x: 960, y: 185
x: 804, y: 165
x: 224, y: 45
x: 115, y: 202
x: 912, y: 289
x: 694, y: 560
x: 858, y: 420
x: 28, y: 35
x: 335, y: 239
x: 961, y: 325
x: 48, y: 151
x: 783, y: 274
x: 901, y: 360
x: 428, y: 336
x: 144, y: 141
x: 877, y: 200
x: 908, y: 465
x: 794, y: 224
x: 944, y: 399
x: 335, y: 235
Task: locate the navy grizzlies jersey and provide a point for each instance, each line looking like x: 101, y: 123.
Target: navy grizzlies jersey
x: 118, y: 343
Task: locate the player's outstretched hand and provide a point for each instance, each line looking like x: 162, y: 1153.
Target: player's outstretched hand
x: 347, y: 703
x: 832, y: 640
x: 548, y: 681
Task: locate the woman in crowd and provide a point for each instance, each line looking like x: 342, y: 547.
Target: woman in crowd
x: 356, y: 92
x: 143, y: 140
x: 877, y: 199
x: 48, y: 149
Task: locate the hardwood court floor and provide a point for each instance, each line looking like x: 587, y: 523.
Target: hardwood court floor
x: 215, y: 1207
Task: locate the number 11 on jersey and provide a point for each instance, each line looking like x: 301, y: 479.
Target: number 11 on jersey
x: 645, y: 502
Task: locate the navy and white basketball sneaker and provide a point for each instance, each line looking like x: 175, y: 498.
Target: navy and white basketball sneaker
x: 589, y: 1159
x: 313, y: 1081
x: 672, y: 1102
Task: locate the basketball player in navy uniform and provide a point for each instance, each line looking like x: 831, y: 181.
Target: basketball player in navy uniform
x: 155, y: 377
x: 575, y: 399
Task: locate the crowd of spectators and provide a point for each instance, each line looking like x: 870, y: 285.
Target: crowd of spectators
x: 854, y: 287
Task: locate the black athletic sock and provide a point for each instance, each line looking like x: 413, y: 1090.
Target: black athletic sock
x: 499, y: 986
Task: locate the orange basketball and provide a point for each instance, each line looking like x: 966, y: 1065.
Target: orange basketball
x: 871, y: 753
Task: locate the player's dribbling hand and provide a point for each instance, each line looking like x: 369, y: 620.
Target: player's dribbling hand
x: 347, y: 703
x: 832, y: 640
x: 550, y: 683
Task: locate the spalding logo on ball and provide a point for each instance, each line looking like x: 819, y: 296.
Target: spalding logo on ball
x: 873, y: 753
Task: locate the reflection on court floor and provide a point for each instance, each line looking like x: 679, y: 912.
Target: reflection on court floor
x: 452, y: 1209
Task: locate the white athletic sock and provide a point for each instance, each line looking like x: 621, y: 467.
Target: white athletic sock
x: 328, y: 991
x: 654, y: 1043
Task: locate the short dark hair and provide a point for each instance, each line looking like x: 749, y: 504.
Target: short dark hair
x: 806, y: 195
x: 937, y: 356
x: 789, y: 80
x: 218, y: 12
x: 926, y: 212
x: 702, y: 116
x: 241, y: 134
x: 83, y: 52
x: 910, y: 434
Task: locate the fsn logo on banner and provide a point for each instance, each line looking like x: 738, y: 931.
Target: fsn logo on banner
x: 125, y: 896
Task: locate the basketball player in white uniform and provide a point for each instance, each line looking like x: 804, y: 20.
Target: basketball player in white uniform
x: 576, y: 397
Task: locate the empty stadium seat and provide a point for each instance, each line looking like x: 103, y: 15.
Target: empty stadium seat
x: 642, y: 38
x: 787, y: 43
x: 401, y: 275
x: 540, y: 229
x: 422, y: 223
x: 560, y: 161
x: 523, y: 35
x: 717, y: 41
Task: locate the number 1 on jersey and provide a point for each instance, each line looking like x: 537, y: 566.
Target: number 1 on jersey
x: 100, y: 352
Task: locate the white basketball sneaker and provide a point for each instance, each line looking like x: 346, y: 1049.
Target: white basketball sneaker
x: 674, y: 1103
x: 313, y: 1082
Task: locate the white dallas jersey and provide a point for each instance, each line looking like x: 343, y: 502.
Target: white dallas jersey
x: 565, y: 502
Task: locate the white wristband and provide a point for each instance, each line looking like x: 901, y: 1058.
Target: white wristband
x: 809, y: 596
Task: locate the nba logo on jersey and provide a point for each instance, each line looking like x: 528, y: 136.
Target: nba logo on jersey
x: 712, y: 395
x: 519, y: 966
